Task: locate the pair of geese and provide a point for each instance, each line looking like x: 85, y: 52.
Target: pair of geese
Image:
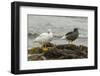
x: 45, y: 38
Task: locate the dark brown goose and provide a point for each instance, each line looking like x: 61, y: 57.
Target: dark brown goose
x: 71, y: 36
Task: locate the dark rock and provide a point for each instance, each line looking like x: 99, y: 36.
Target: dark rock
x: 36, y: 57
x: 53, y: 53
x: 65, y: 51
x: 34, y: 50
x: 68, y: 46
x: 70, y: 56
x: 49, y: 45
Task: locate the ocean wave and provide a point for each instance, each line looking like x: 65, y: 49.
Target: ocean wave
x: 34, y: 35
x: 83, y: 36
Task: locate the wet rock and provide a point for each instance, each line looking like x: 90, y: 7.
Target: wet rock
x: 36, y: 57
x: 36, y: 50
x: 70, y: 56
x: 65, y: 51
x: 49, y: 45
x: 52, y: 53
x: 67, y: 46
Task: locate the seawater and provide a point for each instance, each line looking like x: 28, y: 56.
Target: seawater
x: 60, y: 25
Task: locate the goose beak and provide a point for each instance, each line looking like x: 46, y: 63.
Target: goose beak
x: 63, y: 37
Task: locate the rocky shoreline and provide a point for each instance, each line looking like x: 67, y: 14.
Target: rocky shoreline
x: 56, y: 52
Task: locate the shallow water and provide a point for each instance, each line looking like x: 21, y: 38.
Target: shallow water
x: 38, y: 24
x: 79, y: 41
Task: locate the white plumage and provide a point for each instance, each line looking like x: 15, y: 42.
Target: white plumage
x: 44, y: 37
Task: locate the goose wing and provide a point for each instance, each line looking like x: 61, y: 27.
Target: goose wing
x: 69, y: 33
x: 41, y: 37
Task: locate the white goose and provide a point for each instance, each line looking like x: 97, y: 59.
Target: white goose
x: 44, y: 38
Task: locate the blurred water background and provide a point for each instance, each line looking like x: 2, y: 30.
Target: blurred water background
x: 60, y: 25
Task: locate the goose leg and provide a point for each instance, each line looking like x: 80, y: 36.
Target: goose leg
x: 54, y: 46
x: 42, y: 45
x: 68, y: 42
x: 45, y: 49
